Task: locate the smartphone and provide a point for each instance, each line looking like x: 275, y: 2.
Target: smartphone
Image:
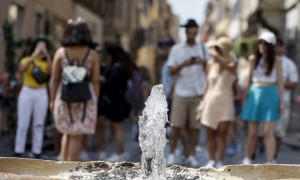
x: 41, y: 44
x: 193, y: 58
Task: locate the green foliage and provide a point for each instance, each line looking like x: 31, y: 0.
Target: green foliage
x: 11, y: 69
x: 245, y: 46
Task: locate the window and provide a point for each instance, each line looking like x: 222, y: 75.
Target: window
x: 38, y: 29
x: 16, y: 16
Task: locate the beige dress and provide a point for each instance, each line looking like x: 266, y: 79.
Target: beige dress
x: 218, y: 100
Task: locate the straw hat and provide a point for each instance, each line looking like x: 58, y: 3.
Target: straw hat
x: 224, y: 44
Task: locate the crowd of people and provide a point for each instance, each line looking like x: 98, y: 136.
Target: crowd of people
x: 208, y: 94
x: 86, y: 84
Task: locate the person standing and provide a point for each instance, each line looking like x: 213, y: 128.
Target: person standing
x: 75, y: 69
x: 187, y: 65
x: 33, y: 98
x: 264, y: 101
x: 166, y: 78
x: 218, y: 107
x: 117, y: 108
x: 290, y: 79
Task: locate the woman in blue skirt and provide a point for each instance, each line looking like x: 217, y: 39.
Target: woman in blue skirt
x: 264, y: 96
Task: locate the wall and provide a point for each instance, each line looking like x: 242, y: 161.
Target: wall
x: 94, y: 22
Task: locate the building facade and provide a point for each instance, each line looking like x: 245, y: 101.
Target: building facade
x: 137, y: 25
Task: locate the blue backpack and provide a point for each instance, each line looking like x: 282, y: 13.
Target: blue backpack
x: 134, y: 94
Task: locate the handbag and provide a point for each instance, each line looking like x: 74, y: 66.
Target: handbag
x: 38, y: 75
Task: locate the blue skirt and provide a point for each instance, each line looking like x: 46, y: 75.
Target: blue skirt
x: 262, y: 104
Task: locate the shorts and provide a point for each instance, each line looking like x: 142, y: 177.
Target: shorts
x: 184, y: 112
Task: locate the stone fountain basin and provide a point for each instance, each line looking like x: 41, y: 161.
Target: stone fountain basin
x: 18, y: 168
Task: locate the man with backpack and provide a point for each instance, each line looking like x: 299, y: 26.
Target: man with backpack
x: 187, y: 65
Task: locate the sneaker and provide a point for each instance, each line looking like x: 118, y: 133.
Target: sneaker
x: 171, y: 160
x: 271, y: 162
x: 18, y: 155
x: 210, y: 163
x: 199, y: 149
x: 118, y: 157
x: 102, y: 156
x: 192, y: 161
x: 219, y: 165
x: 84, y: 156
x: 34, y: 155
x: 247, y: 160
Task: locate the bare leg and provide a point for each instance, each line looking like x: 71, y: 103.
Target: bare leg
x: 75, y: 146
x: 100, y: 133
x: 278, y: 144
x: 231, y: 134
x: 211, y: 142
x: 184, y: 138
x: 194, y: 135
x: 251, y: 138
x: 269, y: 140
x: 119, y: 136
x: 64, y: 147
x: 56, y: 141
x: 175, y: 133
x: 222, y: 135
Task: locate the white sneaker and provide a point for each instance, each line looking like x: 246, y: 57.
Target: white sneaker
x: 247, y: 160
x: 118, y: 157
x: 199, y: 149
x: 171, y: 160
x: 83, y: 156
x: 219, y: 165
x: 271, y: 162
x: 102, y: 156
x: 210, y: 163
x: 192, y: 161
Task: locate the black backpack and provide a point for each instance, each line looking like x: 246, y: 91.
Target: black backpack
x: 75, y: 83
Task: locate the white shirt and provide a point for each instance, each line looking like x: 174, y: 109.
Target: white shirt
x: 259, y: 74
x: 289, y: 73
x: 191, y: 80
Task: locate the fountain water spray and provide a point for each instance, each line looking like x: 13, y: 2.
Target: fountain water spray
x: 152, y: 135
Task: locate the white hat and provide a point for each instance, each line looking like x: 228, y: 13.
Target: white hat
x: 269, y: 37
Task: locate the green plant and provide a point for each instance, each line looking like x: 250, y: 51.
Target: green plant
x: 245, y: 46
x: 11, y: 68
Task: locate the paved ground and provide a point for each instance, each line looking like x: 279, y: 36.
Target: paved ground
x: 289, y: 153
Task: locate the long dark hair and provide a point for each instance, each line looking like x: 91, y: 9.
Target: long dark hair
x: 77, y: 34
x: 119, y: 55
x: 270, y: 57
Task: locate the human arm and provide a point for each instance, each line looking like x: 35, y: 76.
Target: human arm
x: 251, y: 67
x: 95, y: 73
x: 292, y: 78
x: 238, y: 90
x: 290, y: 85
x: 55, y: 78
x: 226, y: 63
x: 24, y: 65
x: 48, y: 58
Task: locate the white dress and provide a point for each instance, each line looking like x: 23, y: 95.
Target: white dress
x: 218, y: 100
